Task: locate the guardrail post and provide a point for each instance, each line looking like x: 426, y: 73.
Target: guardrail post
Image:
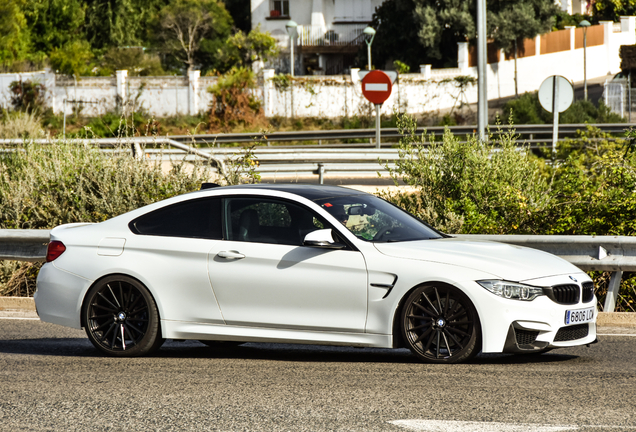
x: 321, y: 173
x: 612, y: 291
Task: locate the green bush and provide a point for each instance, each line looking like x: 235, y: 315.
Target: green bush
x: 27, y: 95
x: 471, y: 186
x: 234, y: 103
x: 500, y: 188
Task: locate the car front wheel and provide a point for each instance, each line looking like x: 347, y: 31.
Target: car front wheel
x: 121, y: 318
x: 440, y: 324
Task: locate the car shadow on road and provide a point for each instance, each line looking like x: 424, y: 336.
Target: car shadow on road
x: 78, y: 347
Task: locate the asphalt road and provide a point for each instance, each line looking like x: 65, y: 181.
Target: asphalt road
x: 51, y: 378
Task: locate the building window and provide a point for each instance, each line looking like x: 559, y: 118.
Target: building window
x: 353, y: 10
x: 279, y: 8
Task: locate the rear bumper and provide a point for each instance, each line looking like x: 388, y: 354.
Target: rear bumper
x: 59, y: 296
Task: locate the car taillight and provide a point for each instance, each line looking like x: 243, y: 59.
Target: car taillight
x: 55, y: 249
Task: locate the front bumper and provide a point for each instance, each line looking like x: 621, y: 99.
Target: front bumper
x: 522, y: 340
x: 530, y: 326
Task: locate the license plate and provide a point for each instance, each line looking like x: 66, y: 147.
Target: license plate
x: 579, y: 316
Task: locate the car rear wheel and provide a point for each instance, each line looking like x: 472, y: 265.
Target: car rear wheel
x: 440, y: 324
x: 121, y: 318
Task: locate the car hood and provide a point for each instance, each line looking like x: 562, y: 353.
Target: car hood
x: 509, y: 262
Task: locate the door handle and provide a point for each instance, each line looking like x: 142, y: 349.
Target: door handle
x: 230, y: 255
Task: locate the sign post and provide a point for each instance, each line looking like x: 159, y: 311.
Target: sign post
x: 376, y: 87
x: 555, y: 95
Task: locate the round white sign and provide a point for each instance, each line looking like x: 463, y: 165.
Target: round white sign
x: 558, y: 88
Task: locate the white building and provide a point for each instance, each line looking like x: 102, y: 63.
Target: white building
x: 575, y: 6
x: 329, y: 32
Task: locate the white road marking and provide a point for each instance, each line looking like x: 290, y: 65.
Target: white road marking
x: 376, y: 87
x: 615, y: 334
x: 463, y: 426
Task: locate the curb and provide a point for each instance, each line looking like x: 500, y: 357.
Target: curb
x: 606, y: 319
x: 17, y: 303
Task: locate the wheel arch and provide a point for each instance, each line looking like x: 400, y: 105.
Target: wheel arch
x: 101, y: 278
x: 398, y: 341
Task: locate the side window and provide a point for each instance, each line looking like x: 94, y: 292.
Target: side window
x: 264, y: 220
x: 199, y: 218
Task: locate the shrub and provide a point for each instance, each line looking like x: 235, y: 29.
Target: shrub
x: 471, y: 186
x: 19, y: 124
x: 72, y: 59
x: 27, y: 95
x: 43, y: 186
x: 234, y: 103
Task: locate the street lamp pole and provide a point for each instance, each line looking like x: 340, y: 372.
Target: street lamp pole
x: 482, y: 85
x: 585, y: 24
x: 369, y: 34
x: 291, y: 27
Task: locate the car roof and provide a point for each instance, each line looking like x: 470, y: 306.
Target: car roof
x: 311, y: 192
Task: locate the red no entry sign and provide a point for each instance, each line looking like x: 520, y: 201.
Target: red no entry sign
x: 376, y: 87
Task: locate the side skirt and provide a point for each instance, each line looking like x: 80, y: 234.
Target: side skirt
x: 197, y: 331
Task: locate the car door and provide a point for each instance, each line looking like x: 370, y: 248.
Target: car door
x: 171, y: 248
x: 262, y: 276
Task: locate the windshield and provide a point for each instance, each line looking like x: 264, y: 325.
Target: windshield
x: 373, y: 219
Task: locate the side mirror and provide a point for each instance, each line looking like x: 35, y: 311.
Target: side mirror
x: 323, y: 239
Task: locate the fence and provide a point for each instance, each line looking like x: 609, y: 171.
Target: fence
x: 619, y: 96
x: 615, y: 254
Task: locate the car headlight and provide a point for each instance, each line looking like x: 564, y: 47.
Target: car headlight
x: 512, y: 290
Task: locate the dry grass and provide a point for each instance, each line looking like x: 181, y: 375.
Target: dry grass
x: 42, y: 186
x: 19, y: 124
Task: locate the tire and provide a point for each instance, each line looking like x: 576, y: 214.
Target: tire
x: 121, y: 318
x: 440, y: 324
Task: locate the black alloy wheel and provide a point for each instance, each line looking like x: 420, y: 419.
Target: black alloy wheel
x: 441, y: 325
x: 121, y: 318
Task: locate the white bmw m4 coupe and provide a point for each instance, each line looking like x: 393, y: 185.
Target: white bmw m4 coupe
x: 310, y: 265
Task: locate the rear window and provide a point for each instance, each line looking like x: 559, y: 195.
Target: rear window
x: 199, y: 218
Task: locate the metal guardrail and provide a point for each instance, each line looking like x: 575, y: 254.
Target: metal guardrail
x: 300, y: 161
x: 615, y: 254
x: 529, y: 133
x: 306, y: 160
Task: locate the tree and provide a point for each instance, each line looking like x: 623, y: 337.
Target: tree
x: 444, y: 22
x: 396, y: 36
x: 421, y: 31
x: 186, y: 24
x: 135, y: 60
x: 54, y: 23
x: 244, y: 50
x: 511, y: 21
x: 120, y: 23
x: 14, y: 36
x: 427, y: 31
x: 612, y: 10
x: 73, y: 58
x: 241, y: 13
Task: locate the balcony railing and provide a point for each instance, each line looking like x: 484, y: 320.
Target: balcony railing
x: 338, y: 35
